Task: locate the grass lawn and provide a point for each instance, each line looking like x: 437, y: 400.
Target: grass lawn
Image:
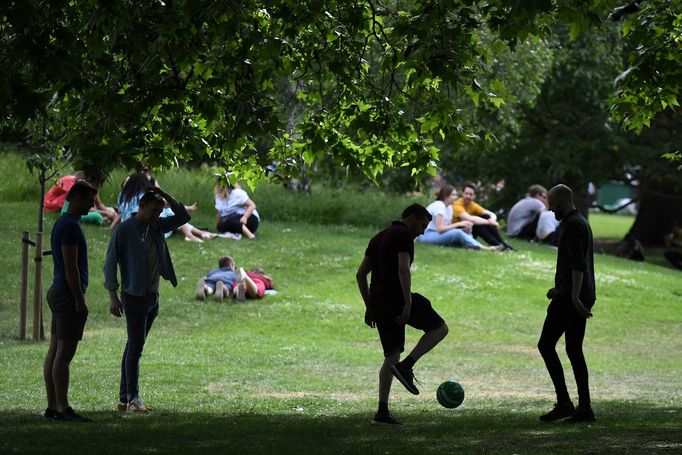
x: 610, y: 227
x: 297, y: 372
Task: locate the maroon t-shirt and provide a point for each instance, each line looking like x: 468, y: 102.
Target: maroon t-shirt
x: 383, y: 252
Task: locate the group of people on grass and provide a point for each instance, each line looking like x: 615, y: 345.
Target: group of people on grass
x: 390, y: 303
x: 460, y: 221
x: 236, y: 214
x: 137, y: 252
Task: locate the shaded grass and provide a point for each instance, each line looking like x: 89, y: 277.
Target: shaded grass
x: 430, y: 430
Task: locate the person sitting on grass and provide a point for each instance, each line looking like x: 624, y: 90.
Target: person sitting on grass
x: 485, y: 222
x: 441, y: 231
x: 235, y: 211
x: 98, y: 214
x: 523, y: 217
x: 132, y: 190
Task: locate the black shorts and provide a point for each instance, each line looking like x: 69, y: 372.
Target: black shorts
x: 392, y: 335
x: 67, y: 324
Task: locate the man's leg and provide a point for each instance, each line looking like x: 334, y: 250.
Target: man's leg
x: 383, y: 416
x: 422, y: 317
x: 136, y: 325
x: 66, y: 349
x: 575, y: 333
x: 386, y: 378
x: 485, y: 232
x: 47, y: 375
x: 552, y: 330
x: 428, y: 341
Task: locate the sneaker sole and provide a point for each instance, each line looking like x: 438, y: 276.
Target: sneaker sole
x: 241, y: 296
x: 219, y: 291
x: 409, y: 387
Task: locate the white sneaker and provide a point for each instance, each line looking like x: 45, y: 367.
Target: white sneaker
x: 135, y: 406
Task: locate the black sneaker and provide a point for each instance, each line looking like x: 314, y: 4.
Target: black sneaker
x: 560, y: 411
x: 50, y: 414
x: 582, y: 414
x: 71, y: 416
x: 406, y: 378
x: 385, y: 418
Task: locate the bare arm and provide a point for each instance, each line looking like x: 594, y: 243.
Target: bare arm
x: 491, y: 215
x: 442, y: 226
x: 250, y: 207
x: 472, y: 218
x: 73, y: 278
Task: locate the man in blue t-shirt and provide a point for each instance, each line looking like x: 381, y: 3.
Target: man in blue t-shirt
x: 66, y: 299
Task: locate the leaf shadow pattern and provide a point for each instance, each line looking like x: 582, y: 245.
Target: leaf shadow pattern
x: 623, y: 427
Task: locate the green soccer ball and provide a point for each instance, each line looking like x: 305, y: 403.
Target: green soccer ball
x: 450, y: 394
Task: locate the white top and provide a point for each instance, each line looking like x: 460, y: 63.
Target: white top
x: 235, y: 203
x: 546, y: 224
x: 439, y: 208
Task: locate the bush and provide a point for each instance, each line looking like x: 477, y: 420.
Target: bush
x: 347, y: 205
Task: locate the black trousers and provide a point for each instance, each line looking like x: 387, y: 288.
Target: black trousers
x: 231, y: 223
x: 563, y: 319
x: 490, y: 234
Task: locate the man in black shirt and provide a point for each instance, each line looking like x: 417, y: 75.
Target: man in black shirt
x: 572, y: 298
x: 390, y: 304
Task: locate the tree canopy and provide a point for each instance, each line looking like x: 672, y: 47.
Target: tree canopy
x: 368, y: 84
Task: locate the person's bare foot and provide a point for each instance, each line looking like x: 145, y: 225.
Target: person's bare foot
x: 208, y: 235
x: 194, y: 239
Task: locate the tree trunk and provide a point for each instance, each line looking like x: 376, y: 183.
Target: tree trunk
x: 660, y: 209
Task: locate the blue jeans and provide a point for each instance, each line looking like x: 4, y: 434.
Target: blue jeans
x: 451, y: 237
x: 140, y: 314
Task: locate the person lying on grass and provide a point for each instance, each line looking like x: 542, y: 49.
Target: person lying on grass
x: 226, y: 281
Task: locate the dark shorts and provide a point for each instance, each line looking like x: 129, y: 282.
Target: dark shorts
x: 392, y: 335
x: 67, y: 324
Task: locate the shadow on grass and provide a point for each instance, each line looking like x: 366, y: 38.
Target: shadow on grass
x: 622, y: 428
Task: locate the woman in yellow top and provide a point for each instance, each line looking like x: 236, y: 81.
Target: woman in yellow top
x: 485, y: 221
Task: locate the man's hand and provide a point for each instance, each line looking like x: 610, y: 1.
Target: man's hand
x: 494, y: 223
x: 115, y: 307
x: 369, y: 318
x: 82, y: 309
x: 243, y: 219
x: 552, y: 293
x: 580, y: 308
x: 159, y: 191
x: 403, y: 318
